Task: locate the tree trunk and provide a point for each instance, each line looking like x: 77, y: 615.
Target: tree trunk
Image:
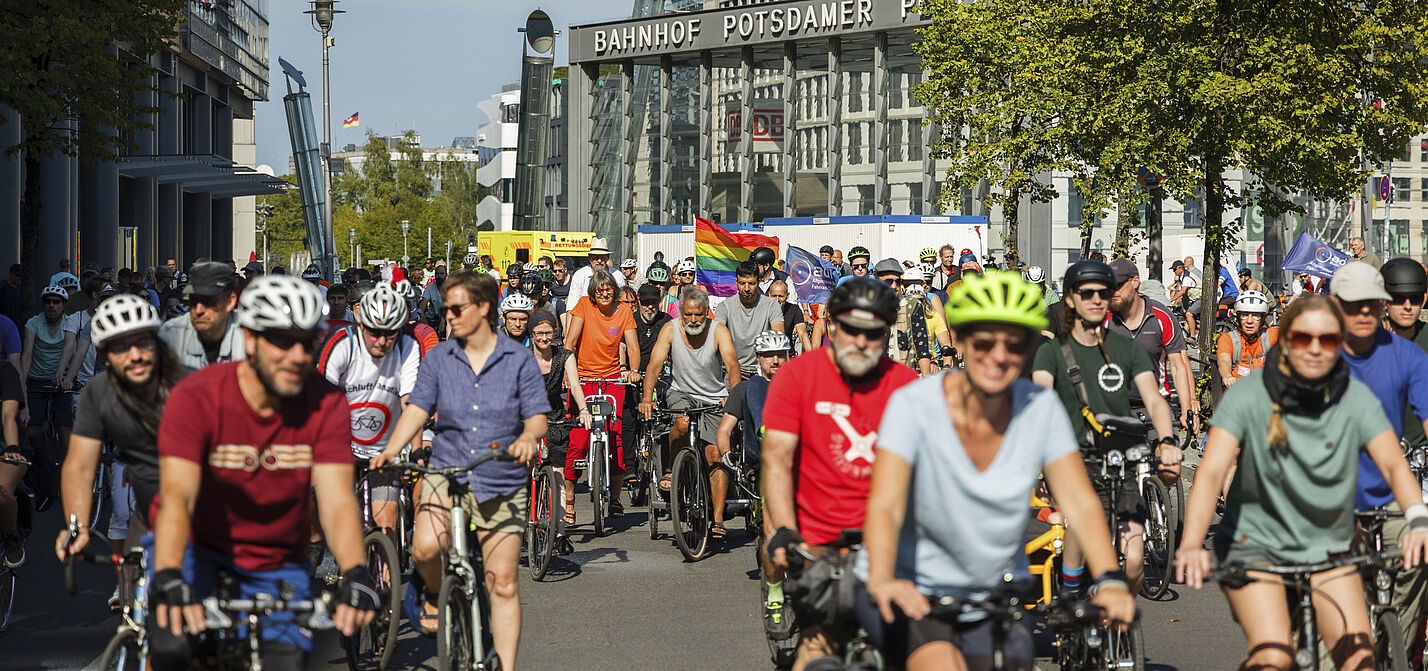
x: 1012, y: 214
x: 1214, y: 229
x: 1127, y: 219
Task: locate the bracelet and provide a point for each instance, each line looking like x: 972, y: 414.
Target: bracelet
x: 1170, y: 441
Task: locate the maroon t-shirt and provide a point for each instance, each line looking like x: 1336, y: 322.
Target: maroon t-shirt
x: 253, y: 500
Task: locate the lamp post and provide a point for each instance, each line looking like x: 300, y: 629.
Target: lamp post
x: 352, y: 246
x: 406, y: 226
x: 322, y: 12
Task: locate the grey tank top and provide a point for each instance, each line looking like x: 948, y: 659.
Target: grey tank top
x: 698, y: 372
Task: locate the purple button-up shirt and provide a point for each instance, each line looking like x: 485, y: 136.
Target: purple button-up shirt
x: 473, y: 411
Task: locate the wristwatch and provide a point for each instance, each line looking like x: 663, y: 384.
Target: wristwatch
x: 1169, y: 440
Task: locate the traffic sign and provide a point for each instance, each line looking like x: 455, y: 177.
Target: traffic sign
x: 1384, y: 188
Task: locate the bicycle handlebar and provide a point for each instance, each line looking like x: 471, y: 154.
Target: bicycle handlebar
x: 14, y: 462
x: 218, y: 612
x: 1236, y: 574
x: 448, y: 471
x: 606, y: 380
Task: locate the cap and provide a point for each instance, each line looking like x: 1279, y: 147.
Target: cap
x: 888, y: 266
x: 1177, y: 265
x: 598, y: 246
x: 209, y: 279
x: 649, y: 292
x: 1358, y: 281
x: 1124, y: 270
x: 254, y: 266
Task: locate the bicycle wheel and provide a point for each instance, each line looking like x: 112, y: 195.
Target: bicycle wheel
x: 7, y: 596
x: 1123, y: 649
x: 654, y: 499
x: 1389, y: 649
x: 689, y: 505
x: 540, y: 533
x: 97, y: 510
x: 455, y: 639
x: 1159, y: 540
x: 598, y: 464
x: 122, y: 653
x: 377, y: 642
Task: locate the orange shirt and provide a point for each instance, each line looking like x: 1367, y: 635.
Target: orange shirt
x: 599, y: 351
x: 1251, y: 353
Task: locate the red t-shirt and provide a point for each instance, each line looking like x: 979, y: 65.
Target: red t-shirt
x: 253, y: 500
x: 837, y: 429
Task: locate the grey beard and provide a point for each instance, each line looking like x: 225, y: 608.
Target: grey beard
x: 695, y: 330
x: 852, y: 365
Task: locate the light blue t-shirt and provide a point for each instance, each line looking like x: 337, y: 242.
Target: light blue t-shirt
x: 963, y: 528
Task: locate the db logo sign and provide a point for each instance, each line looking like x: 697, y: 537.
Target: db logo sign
x: 768, y: 125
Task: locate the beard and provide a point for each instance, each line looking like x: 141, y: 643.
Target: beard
x: 695, y: 330
x: 856, y: 361
x: 268, y: 375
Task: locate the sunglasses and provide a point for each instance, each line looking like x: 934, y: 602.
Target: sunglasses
x: 209, y: 302
x: 1411, y: 299
x: 53, y: 301
x: 455, y: 310
x: 285, y: 341
x: 1302, y: 340
x: 860, y: 265
x: 628, y: 301
x: 1087, y: 294
x: 1015, y: 347
x: 123, y: 346
x: 870, y: 334
x: 383, y: 334
x: 650, y: 304
x: 687, y: 273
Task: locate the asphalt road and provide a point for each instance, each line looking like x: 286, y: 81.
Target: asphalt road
x: 621, y: 601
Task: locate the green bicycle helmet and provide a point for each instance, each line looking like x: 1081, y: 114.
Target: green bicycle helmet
x: 997, y: 296
x: 927, y: 252
x: 657, y: 274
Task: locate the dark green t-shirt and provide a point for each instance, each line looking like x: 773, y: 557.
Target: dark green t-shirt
x: 1108, y: 382
x: 1412, y: 428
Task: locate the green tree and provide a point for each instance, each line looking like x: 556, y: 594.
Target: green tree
x: 68, y: 61
x: 286, y: 230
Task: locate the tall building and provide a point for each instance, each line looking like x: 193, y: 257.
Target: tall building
x: 496, y: 147
x: 186, y: 190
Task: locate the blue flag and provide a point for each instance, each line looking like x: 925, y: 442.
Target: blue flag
x: 812, y: 277
x: 1308, y: 255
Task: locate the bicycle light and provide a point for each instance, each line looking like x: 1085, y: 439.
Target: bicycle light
x: 1417, y: 458
x: 1137, y: 453
x: 1383, y: 581
x: 1114, y: 458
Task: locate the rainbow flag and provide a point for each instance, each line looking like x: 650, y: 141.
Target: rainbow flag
x: 718, y: 252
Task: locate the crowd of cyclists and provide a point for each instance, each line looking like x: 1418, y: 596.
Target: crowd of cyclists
x: 900, y: 431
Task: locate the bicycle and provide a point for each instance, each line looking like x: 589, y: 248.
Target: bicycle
x: 652, y: 465
x: 378, y: 640
x: 463, y: 639
x: 828, y: 589
x: 1390, y: 649
x: 24, y: 524
x: 1160, y: 528
x: 545, y: 527
x: 1044, y: 555
x: 1296, y: 581
x: 597, y: 460
x: 128, y: 650
x: 690, y: 504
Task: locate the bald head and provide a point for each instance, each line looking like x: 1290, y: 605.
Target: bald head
x: 778, y: 290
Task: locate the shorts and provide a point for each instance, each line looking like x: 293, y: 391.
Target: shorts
x: 1228, y: 551
x: 504, y: 514
x: 1192, y: 311
x: 46, y: 399
x: 1130, y: 507
x: 900, y: 639
x: 708, y: 422
x: 381, y: 485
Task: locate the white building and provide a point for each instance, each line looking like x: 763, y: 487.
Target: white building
x: 496, y: 146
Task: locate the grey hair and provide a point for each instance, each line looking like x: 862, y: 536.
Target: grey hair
x: 695, y: 295
x: 599, y: 280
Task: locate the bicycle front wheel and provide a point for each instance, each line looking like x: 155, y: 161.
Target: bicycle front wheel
x: 1159, y: 540
x: 1389, y: 649
x: 7, y: 596
x: 599, y: 464
x: 1124, y: 649
x: 122, y: 653
x: 376, y: 643
x: 455, y: 638
x: 689, y: 505
x: 541, y: 532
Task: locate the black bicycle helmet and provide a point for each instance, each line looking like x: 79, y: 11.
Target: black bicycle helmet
x: 531, y: 284
x: 860, y: 299
x: 762, y: 256
x: 1089, y: 270
x: 1404, y: 276
x: 514, y: 270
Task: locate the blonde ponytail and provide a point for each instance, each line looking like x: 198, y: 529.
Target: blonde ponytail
x: 1278, y: 433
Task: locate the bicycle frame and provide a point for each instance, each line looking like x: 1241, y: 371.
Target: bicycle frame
x: 1051, y: 541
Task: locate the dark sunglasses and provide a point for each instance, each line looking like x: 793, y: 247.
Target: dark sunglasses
x: 984, y: 345
x: 860, y: 265
x: 383, y: 334
x: 145, y: 344
x: 1302, y: 340
x: 870, y: 334
x: 650, y: 304
x: 455, y: 310
x: 1086, y: 294
x: 53, y: 301
x: 209, y: 302
x: 285, y: 341
x: 687, y: 273
x: 1411, y: 299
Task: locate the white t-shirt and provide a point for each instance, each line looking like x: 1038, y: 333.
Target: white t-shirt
x: 374, y: 387
x: 79, y: 324
x: 580, y: 284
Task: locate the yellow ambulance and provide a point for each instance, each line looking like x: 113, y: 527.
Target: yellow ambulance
x: 507, y: 247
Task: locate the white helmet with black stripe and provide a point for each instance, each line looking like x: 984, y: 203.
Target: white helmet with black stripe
x: 382, y: 308
x: 282, y: 303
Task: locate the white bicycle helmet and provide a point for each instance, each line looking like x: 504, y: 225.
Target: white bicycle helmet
x: 121, y: 315
x: 529, y: 268
x: 926, y: 270
x: 629, y: 263
x: 311, y: 272
x: 516, y: 302
x: 282, y: 302
x: 406, y: 290
x: 54, y: 290
x: 914, y: 290
x: 471, y: 260
x: 1252, y: 301
x: 684, y: 266
x: 1034, y: 274
x: 382, y: 308
x: 67, y: 282
x: 771, y: 341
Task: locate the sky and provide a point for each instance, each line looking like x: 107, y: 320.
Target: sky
x: 406, y: 64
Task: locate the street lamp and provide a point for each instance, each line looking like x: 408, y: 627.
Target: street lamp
x: 264, y: 211
x: 352, y: 246
x: 323, y: 12
x: 406, y: 226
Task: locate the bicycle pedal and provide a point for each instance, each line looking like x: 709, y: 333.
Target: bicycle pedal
x: 579, y: 464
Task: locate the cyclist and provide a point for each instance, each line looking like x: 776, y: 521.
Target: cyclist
x: 947, y: 270
x: 703, y: 367
x: 957, y: 459
x: 1292, y: 499
x: 748, y: 316
x: 210, y: 334
x: 46, y: 346
x: 598, y: 326
x: 764, y: 258
x: 630, y: 268
x: 649, y: 322
x: 1112, y: 365
x: 795, y: 325
x: 859, y: 259
x: 746, y: 405
x: 376, y: 364
x: 822, y: 413
x: 513, y: 280
x: 1242, y: 350
x: 927, y: 257
x: 504, y: 404
x: 12, y: 399
x: 543, y: 299
x: 1148, y: 322
x: 431, y: 297
x: 515, y: 317
x: 1406, y: 283
x: 684, y: 273
x: 423, y: 333
x: 240, y: 446
x: 599, y: 256
x: 557, y: 368
x: 1186, y: 294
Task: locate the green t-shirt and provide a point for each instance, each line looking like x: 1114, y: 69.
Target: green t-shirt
x: 1298, y: 502
x: 1412, y: 428
x: 1108, y: 383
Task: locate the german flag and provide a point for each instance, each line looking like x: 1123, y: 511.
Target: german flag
x: 351, y: 121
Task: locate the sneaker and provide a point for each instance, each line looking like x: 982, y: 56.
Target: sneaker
x: 778, y: 621
x: 14, y: 555
x: 114, y: 601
